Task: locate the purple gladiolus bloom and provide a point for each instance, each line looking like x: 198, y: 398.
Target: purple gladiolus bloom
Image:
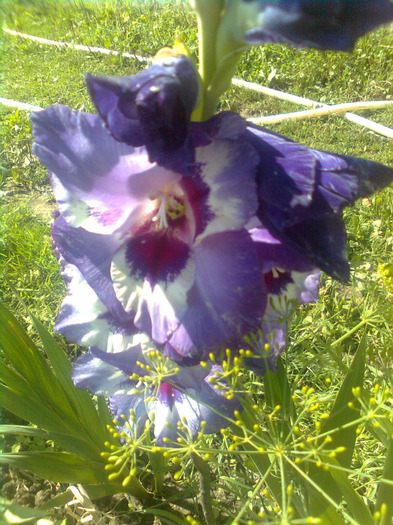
x: 118, y: 351
x: 164, y: 250
x: 322, y: 24
x: 173, y: 395
x: 178, y: 242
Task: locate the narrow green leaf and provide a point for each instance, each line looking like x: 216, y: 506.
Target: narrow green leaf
x: 80, y: 401
x: 385, y: 491
x: 170, y: 518
x: 71, y: 444
x: 331, y: 517
x: 15, y: 381
x: 23, y: 430
x: 74, y: 407
x: 33, y: 410
x: 56, y: 466
x: 57, y: 357
x: 278, y: 392
x: 355, y: 503
x: 14, y: 514
x: 31, y: 364
x: 340, y: 415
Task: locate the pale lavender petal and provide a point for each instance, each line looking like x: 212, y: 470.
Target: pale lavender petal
x: 121, y: 405
x: 159, y: 305
x: 92, y: 254
x: 227, y: 167
x: 90, y: 372
x: 99, y: 184
x: 190, y: 408
x: 85, y: 320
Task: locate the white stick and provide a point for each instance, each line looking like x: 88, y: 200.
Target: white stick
x: 79, y: 47
x: 274, y: 93
x: 361, y: 121
x: 377, y: 128
x: 325, y: 110
x: 19, y: 105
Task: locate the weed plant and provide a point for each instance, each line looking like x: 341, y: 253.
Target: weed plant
x: 323, y: 338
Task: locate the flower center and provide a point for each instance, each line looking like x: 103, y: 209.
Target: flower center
x: 168, y: 205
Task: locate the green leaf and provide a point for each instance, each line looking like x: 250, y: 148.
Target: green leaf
x: 278, y: 392
x: 57, y: 466
x: 72, y: 444
x: 50, y: 400
x: 15, y: 381
x: 355, y: 503
x: 32, y: 409
x: 31, y: 364
x: 81, y: 402
x: 14, y: 514
x: 385, y: 491
x: 166, y: 517
x: 343, y: 434
x: 341, y: 414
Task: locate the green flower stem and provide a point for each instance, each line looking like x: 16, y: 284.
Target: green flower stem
x: 208, y: 13
x: 228, y: 46
x: 220, y: 82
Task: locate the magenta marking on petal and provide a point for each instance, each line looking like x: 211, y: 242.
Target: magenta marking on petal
x: 156, y: 256
x: 106, y: 217
x: 197, y: 192
x: 167, y: 394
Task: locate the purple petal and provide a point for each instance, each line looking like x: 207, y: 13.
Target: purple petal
x: 121, y: 405
x: 312, y: 23
x: 227, y: 299
x: 306, y: 213
x: 90, y: 372
x: 204, y: 404
x: 273, y: 252
x: 286, y: 171
x: 290, y: 289
x: 343, y: 179
x: 227, y: 167
x: 159, y: 305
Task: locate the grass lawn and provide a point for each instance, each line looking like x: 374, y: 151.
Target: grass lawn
x: 324, y: 336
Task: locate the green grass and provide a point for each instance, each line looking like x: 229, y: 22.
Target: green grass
x: 45, y: 75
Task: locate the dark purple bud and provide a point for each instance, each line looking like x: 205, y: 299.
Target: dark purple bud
x: 152, y: 108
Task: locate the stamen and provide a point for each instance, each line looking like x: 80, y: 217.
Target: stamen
x: 168, y: 206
